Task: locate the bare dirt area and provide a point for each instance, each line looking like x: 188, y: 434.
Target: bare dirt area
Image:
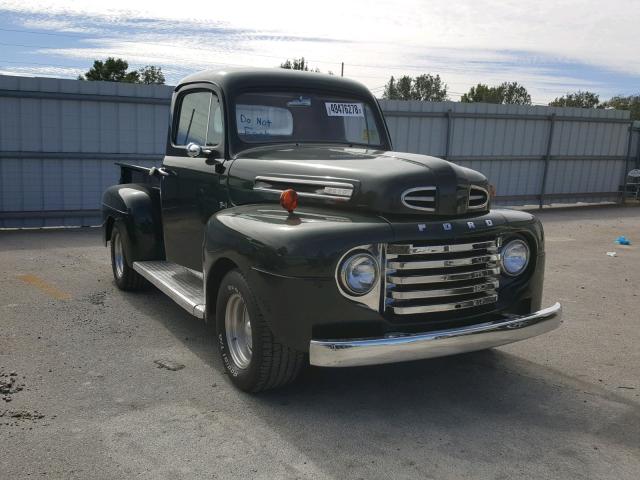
x: 117, y: 385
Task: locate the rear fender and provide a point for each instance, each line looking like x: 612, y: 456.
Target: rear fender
x: 137, y: 207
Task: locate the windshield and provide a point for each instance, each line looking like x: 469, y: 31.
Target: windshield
x: 296, y: 117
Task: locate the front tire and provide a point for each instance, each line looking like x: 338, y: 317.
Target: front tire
x: 253, y: 359
x: 126, y: 278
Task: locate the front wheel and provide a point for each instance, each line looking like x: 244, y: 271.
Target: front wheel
x: 253, y: 358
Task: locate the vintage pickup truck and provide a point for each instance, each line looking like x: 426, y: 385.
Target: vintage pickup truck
x: 282, y: 216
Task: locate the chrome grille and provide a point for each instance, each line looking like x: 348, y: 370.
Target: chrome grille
x: 478, y: 198
x: 420, y: 198
x: 440, y: 278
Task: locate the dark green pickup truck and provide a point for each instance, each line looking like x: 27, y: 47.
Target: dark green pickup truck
x: 282, y: 216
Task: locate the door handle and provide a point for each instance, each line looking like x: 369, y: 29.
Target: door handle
x: 161, y: 171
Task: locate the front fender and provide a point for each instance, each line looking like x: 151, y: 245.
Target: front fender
x: 290, y: 262
x: 306, y: 244
x: 138, y: 208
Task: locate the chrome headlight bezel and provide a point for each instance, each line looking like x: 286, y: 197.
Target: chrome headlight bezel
x: 509, y: 246
x: 346, y: 270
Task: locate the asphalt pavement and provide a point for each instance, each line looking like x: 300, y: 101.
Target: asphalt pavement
x: 91, y: 397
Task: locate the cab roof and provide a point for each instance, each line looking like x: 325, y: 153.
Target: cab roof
x: 234, y: 79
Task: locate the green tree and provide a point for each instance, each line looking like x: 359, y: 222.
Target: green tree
x: 482, y: 93
x: 425, y: 87
x: 514, y: 94
x: 405, y: 86
x: 111, y: 70
x: 630, y: 102
x: 299, y: 64
x: 151, y: 75
x: 116, y: 70
x: 429, y: 88
x: 391, y: 90
x: 507, y: 92
x: 295, y: 64
x: 579, y: 99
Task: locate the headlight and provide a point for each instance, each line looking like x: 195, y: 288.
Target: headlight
x: 359, y: 273
x: 514, y: 257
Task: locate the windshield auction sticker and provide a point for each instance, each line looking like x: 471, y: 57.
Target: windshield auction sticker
x: 335, y: 109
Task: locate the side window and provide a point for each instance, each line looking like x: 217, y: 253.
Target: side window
x: 194, y: 118
x: 373, y: 136
x: 362, y: 129
x: 215, y: 132
x: 200, y: 120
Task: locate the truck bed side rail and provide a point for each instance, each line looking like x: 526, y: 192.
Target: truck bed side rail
x: 135, y: 174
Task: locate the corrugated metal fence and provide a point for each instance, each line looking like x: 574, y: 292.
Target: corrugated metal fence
x: 59, y: 140
x: 533, y: 155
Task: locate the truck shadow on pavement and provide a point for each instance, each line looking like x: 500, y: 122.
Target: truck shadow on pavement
x: 472, y: 409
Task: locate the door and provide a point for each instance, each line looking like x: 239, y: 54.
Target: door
x: 193, y: 190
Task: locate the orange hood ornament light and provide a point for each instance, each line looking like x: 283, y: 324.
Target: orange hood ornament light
x: 289, y: 200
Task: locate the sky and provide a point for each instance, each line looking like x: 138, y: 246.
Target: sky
x: 549, y: 46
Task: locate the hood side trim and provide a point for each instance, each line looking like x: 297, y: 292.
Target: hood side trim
x: 327, y: 189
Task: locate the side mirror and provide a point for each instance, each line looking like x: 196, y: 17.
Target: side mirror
x: 195, y: 150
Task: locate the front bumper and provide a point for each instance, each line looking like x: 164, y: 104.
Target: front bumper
x: 401, y: 348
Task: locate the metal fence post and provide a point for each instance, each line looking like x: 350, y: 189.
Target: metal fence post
x: 447, y: 146
x: 547, y: 156
x: 638, y: 149
x: 623, y: 187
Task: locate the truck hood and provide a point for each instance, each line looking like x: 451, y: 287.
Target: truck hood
x: 384, y: 182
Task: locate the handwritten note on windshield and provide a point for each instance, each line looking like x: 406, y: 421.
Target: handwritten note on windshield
x: 263, y: 120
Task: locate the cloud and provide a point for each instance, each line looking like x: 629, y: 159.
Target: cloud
x: 581, y: 30
x: 57, y: 24
x: 547, y: 46
x: 44, y: 71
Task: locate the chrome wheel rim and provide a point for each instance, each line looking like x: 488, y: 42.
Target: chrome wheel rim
x: 238, y: 327
x: 118, y: 254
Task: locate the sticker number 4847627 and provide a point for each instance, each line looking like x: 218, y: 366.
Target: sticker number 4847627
x: 339, y: 109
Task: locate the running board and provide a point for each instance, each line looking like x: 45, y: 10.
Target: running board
x: 183, y: 285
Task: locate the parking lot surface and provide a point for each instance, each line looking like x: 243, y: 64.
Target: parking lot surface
x: 88, y: 401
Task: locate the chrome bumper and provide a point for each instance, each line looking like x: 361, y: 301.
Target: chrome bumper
x: 401, y: 348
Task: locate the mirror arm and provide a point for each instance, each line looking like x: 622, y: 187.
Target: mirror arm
x: 211, y: 160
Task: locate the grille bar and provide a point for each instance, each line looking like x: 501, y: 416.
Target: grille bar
x: 444, y: 307
x: 445, y: 292
x: 492, y: 246
x: 478, y: 198
x: 420, y: 198
x: 448, y: 277
x: 440, y: 278
x: 455, y: 262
